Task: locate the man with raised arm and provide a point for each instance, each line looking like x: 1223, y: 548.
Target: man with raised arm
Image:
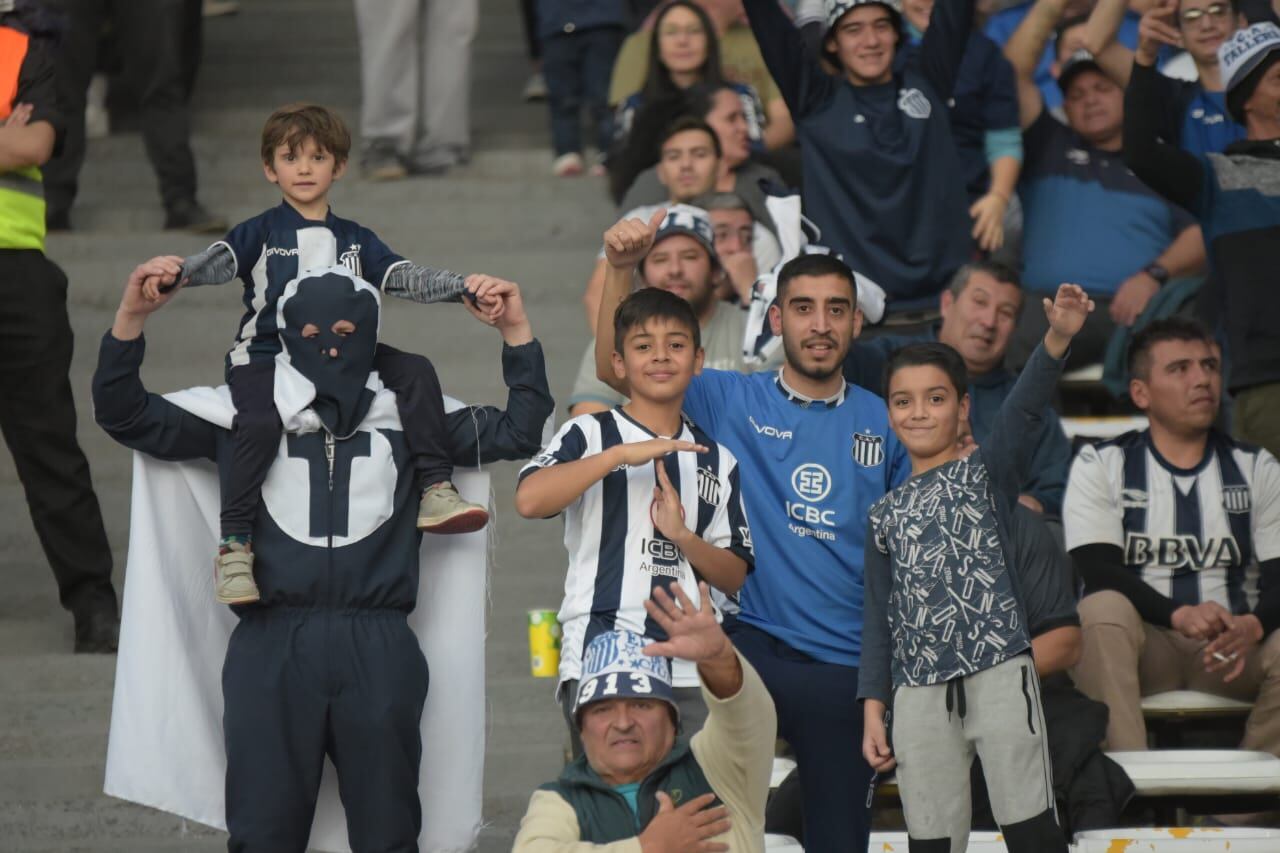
x: 876, y: 144
x: 639, y: 789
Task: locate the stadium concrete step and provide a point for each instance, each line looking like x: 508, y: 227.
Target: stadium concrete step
x: 503, y: 214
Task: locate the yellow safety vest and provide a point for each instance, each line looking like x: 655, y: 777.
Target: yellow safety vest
x: 21, y: 190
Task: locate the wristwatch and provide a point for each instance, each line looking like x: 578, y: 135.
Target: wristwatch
x: 1159, y: 273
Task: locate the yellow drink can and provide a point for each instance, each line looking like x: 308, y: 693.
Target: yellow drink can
x: 544, y: 644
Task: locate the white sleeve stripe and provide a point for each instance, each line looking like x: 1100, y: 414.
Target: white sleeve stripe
x: 382, y: 284
x: 235, y: 262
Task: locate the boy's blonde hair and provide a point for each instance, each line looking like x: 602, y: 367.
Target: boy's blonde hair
x: 295, y: 123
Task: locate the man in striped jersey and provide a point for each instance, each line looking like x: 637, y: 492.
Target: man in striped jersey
x: 1176, y: 532
x: 648, y: 498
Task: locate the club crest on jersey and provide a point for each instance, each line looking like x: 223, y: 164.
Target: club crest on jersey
x: 914, y: 103
x: 708, y: 486
x: 351, y: 259
x: 868, y: 450
x: 1236, y: 500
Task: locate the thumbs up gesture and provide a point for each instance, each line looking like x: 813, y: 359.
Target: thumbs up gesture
x: 629, y: 240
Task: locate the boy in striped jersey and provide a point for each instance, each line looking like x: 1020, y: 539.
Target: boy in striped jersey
x: 648, y: 498
x: 946, y: 640
x: 1175, y: 531
x: 304, y: 150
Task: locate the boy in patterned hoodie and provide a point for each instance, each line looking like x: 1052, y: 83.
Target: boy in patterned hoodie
x: 945, y: 639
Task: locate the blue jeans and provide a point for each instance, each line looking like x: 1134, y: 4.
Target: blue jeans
x: 820, y: 716
x: 577, y: 67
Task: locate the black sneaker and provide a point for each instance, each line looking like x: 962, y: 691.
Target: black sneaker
x: 97, y: 630
x: 191, y: 216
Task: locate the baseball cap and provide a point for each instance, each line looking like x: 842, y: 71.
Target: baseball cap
x: 1239, y: 57
x: 1081, y: 60
x: 837, y: 9
x: 691, y: 221
x: 614, y: 666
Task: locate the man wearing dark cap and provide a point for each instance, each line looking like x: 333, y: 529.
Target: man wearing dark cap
x: 1087, y: 218
x: 1236, y: 194
x: 638, y: 787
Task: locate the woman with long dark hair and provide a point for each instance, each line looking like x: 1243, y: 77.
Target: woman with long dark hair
x: 684, y: 50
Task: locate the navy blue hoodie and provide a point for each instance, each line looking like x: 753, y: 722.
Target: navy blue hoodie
x: 882, y: 176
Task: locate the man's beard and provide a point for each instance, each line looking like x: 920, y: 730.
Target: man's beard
x: 701, y: 300
x: 793, y: 353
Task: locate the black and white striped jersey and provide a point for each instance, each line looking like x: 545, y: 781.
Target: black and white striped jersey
x: 1193, y: 534
x: 616, y: 555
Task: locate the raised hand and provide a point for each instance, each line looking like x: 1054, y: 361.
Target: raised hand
x: 134, y: 304
x: 629, y: 240
x: 692, y: 633
x: 155, y: 286
x: 685, y: 829
x: 150, y: 284
x: 1156, y: 29
x: 667, y: 511
x: 640, y: 452
x: 498, y: 303
x: 1066, y: 313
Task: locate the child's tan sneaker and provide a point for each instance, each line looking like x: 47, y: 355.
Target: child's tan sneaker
x: 233, y: 575
x: 443, y: 510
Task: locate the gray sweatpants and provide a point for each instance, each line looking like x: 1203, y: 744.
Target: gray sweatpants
x: 935, y: 732
x: 415, y: 72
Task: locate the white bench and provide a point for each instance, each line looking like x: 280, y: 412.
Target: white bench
x: 1203, y: 781
x: 1168, y: 714
x: 1200, y: 772
x: 891, y: 842
x: 1102, y: 427
x: 896, y: 842
x: 1088, y: 373
x: 1179, y: 840
x: 1191, y: 704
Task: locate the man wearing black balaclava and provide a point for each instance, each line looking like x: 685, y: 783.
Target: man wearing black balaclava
x: 325, y: 662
